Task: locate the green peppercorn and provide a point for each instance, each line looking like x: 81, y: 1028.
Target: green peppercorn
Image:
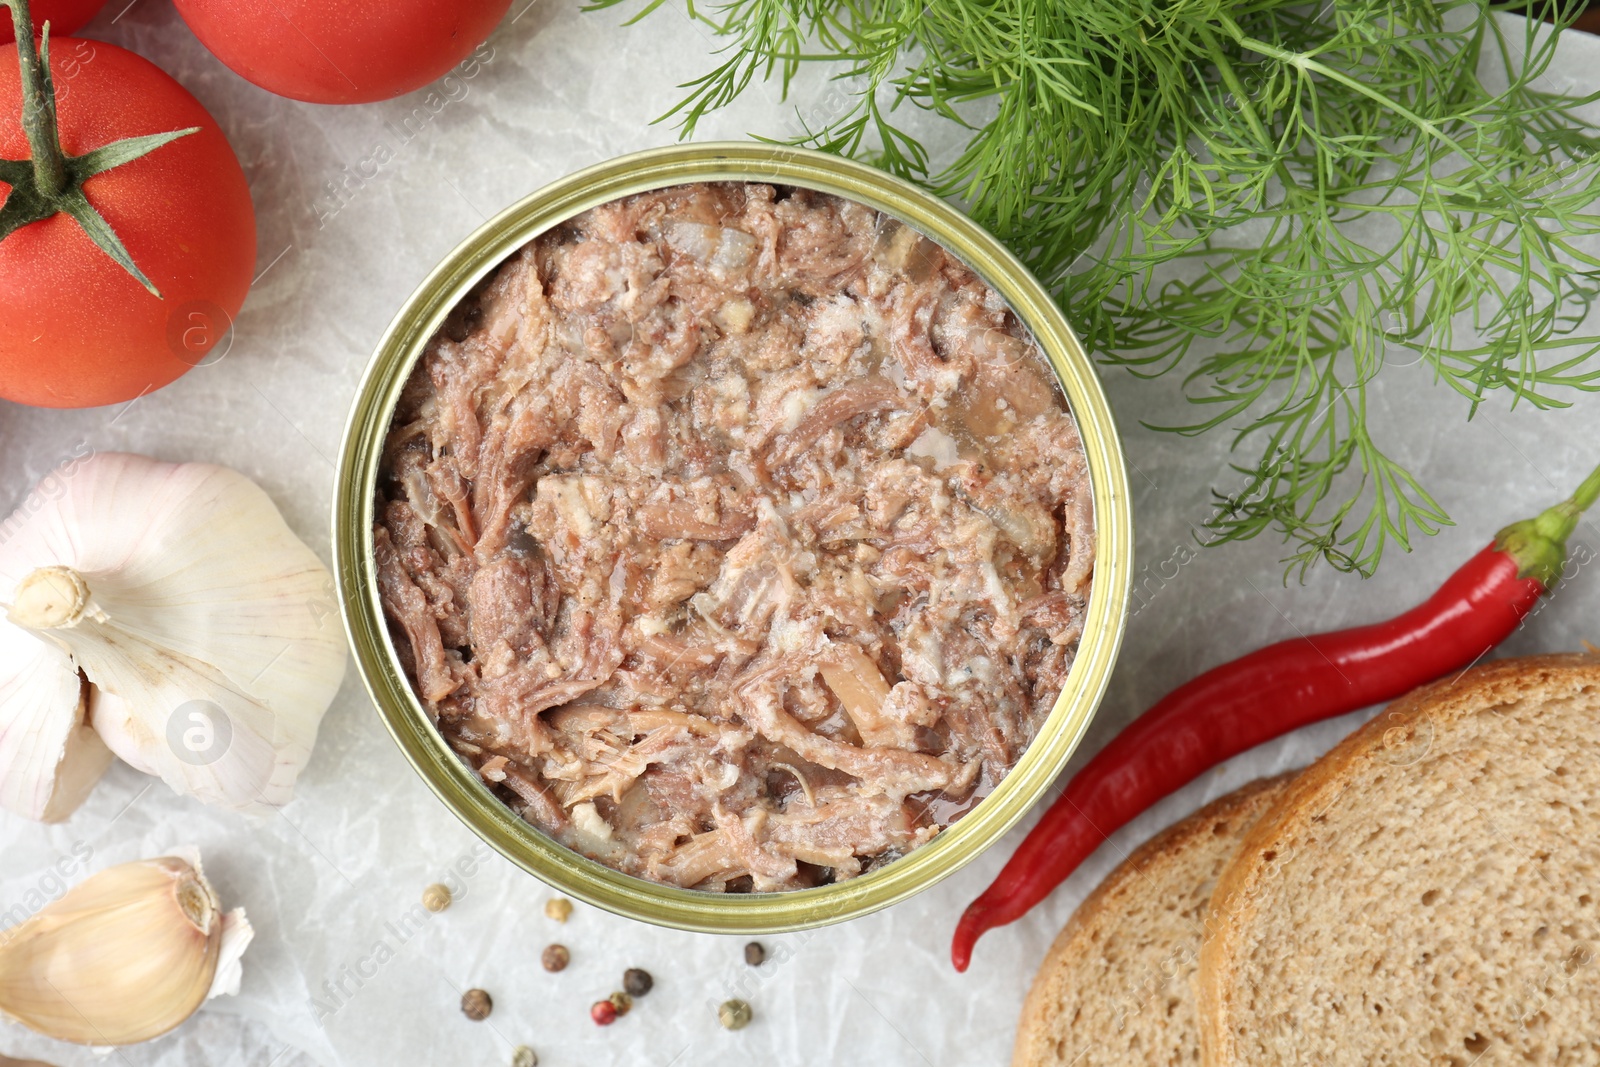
x: 622, y: 1002
x: 524, y: 1057
x: 734, y: 1015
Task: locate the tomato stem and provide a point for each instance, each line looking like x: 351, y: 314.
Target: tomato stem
x: 38, y: 102
x: 50, y: 182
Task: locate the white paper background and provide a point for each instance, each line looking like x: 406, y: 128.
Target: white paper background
x: 350, y: 856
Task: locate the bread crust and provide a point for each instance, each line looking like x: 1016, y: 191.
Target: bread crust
x: 1431, y: 708
x: 1108, y: 901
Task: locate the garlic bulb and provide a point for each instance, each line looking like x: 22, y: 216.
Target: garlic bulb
x: 125, y: 956
x: 170, y: 607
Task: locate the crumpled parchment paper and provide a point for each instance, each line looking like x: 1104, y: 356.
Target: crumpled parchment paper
x: 346, y: 968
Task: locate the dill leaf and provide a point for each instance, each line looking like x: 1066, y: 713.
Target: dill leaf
x: 1323, y: 189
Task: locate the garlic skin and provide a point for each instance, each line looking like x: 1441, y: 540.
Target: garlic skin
x: 208, y: 633
x: 125, y: 956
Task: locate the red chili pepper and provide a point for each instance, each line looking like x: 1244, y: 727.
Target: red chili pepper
x: 1267, y: 693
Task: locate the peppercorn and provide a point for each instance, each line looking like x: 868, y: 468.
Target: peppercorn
x: 476, y: 1005
x: 555, y: 958
x: 755, y: 954
x: 637, y: 982
x: 603, y: 1012
x: 734, y: 1015
x: 524, y: 1057
x: 622, y: 1002
x: 558, y: 908
x: 436, y: 897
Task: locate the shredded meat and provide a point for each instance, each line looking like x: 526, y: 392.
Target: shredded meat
x: 739, y: 537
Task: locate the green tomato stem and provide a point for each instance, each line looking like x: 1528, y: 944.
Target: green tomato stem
x: 38, y: 103
x: 50, y: 182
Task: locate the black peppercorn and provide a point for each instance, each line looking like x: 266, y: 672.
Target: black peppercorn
x: 755, y: 954
x: 555, y: 958
x: 637, y: 982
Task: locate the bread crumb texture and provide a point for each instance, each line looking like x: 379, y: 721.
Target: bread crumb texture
x: 1117, y: 987
x: 1426, y: 893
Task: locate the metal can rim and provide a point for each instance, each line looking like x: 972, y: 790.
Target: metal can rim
x: 459, y: 789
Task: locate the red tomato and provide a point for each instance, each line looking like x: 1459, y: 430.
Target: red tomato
x: 342, y: 51
x: 65, y: 17
x: 76, y: 329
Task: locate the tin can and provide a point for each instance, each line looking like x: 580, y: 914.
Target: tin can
x: 459, y: 788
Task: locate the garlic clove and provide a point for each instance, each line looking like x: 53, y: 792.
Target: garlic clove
x: 126, y: 955
x: 216, y: 749
x: 50, y: 758
x: 121, y: 731
x: 198, y: 616
x: 236, y: 934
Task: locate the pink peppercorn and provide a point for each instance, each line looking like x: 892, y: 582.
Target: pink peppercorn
x: 604, y: 1013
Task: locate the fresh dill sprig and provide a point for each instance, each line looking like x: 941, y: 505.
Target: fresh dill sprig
x: 1322, y: 188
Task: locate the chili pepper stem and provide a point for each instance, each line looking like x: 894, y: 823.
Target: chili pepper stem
x: 1539, y: 545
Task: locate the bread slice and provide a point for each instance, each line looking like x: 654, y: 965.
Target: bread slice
x: 1117, y: 986
x: 1426, y: 893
